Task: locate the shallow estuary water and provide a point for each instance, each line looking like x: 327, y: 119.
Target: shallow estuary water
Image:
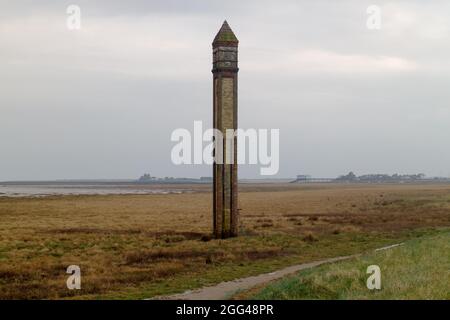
x: 52, y: 190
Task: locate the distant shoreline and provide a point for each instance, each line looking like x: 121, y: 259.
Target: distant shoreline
x: 194, y: 181
x: 125, y: 182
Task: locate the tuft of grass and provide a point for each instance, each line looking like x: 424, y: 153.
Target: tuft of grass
x: 310, y: 237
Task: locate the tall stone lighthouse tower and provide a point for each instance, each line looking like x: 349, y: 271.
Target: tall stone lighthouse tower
x: 225, y: 75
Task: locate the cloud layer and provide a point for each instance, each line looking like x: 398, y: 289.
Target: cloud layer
x: 101, y: 102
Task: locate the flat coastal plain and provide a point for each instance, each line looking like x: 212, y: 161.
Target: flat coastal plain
x: 135, y: 246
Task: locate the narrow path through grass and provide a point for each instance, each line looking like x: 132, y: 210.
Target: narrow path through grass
x: 420, y: 269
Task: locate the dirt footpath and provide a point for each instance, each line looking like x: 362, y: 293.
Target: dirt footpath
x: 225, y: 290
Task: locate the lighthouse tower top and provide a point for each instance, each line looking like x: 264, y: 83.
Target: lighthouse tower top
x: 225, y: 37
x: 225, y: 50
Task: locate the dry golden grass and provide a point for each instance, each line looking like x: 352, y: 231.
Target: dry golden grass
x: 134, y: 246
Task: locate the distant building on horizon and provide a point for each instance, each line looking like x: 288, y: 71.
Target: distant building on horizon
x: 303, y: 177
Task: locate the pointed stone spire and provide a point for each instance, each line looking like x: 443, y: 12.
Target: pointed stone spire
x: 225, y: 37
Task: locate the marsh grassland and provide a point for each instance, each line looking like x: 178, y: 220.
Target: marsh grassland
x: 140, y: 246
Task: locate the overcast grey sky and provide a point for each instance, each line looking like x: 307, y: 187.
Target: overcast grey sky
x: 102, y: 102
